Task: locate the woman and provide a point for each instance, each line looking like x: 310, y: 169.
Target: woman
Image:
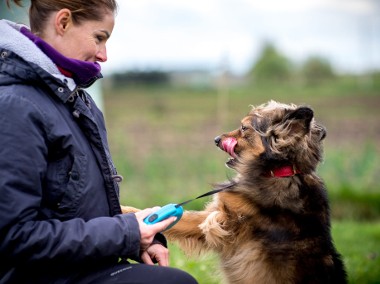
x: 59, y: 200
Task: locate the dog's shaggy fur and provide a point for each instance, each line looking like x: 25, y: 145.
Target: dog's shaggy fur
x: 265, y: 228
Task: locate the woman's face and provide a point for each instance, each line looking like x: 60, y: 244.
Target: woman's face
x: 86, y: 41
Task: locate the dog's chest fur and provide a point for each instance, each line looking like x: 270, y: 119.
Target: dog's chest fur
x: 245, y: 231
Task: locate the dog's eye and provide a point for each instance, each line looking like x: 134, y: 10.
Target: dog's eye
x: 243, y: 128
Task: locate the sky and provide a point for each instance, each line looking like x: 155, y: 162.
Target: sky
x: 229, y: 34
x: 211, y: 34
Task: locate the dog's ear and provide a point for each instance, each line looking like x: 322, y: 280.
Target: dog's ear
x: 299, y: 120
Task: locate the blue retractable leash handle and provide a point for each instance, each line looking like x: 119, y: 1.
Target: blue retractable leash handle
x: 176, y: 210
x: 164, y: 213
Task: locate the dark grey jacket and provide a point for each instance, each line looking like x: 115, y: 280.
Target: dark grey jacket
x: 59, y: 204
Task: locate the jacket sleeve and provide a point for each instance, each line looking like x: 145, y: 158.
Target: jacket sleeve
x: 23, y: 236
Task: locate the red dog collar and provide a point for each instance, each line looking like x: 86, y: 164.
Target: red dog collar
x: 286, y: 171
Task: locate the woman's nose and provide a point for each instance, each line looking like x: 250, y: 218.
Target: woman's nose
x: 102, y: 55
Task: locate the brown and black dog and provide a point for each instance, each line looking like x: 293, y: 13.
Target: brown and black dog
x: 272, y: 223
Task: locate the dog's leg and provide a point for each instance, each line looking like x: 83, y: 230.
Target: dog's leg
x: 187, y: 232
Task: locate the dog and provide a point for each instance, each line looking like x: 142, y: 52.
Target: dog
x: 271, y: 222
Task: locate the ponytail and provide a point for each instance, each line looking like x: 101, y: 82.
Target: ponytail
x: 17, y: 2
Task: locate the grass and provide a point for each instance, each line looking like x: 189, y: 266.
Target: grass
x: 161, y: 139
x: 358, y: 244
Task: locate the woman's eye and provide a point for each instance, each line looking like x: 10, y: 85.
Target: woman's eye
x: 99, y: 38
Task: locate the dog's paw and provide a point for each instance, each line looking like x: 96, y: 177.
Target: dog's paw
x: 128, y: 209
x: 213, y: 230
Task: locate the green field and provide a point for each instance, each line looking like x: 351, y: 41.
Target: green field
x: 358, y: 242
x: 161, y: 139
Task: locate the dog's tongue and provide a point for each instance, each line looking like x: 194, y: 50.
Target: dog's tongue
x: 229, y: 145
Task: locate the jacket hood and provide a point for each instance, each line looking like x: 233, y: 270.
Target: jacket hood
x: 13, y: 40
x: 22, y: 61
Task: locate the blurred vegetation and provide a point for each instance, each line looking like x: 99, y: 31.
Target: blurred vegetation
x: 140, y: 77
x: 161, y: 136
x: 316, y: 70
x: 271, y: 66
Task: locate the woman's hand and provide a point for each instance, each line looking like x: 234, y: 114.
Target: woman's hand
x: 147, y: 233
x: 156, y: 252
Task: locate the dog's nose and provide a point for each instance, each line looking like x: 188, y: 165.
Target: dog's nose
x: 322, y: 131
x: 323, y: 134
x: 217, y: 140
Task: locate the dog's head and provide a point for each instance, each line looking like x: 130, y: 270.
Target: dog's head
x: 273, y: 135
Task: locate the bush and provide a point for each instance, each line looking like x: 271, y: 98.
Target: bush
x: 140, y: 78
x: 316, y: 70
x: 271, y: 66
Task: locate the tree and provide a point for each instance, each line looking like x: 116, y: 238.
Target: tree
x: 317, y: 69
x: 271, y: 66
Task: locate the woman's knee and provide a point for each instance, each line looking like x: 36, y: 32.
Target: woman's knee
x: 137, y: 273
x: 177, y: 276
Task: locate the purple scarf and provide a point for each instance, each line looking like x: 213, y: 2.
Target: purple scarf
x: 83, y: 72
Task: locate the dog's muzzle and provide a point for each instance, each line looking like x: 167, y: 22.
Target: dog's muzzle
x: 227, y: 144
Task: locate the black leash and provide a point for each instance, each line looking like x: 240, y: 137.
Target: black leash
x: 211, y: 192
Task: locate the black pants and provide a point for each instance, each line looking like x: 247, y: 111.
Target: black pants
x: 125, y: 273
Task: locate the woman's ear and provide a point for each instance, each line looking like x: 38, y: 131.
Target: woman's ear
x: 63, y: 20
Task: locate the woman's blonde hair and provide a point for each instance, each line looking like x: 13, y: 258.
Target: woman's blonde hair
x: 81, y: 10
